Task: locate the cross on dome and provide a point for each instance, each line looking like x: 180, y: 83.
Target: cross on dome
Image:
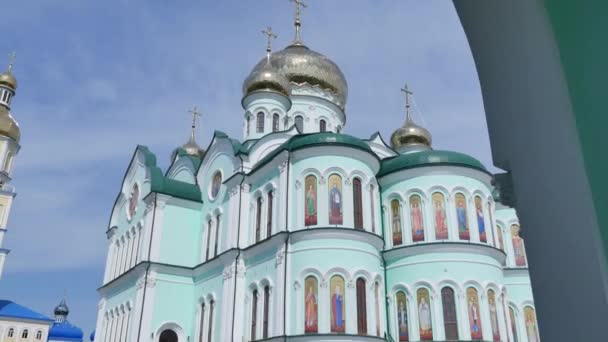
x: 195, y: 113
x: 11, y: 61
x: 298, y: 20
x: 407, y: 93
x: 270, y: 36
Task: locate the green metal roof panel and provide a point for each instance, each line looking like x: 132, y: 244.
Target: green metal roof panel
x: 428, y: 158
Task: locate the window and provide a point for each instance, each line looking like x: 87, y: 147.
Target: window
x: 531, y: 327
x: 300, y: 123
x: 481, y: 221
x: 439, y: 216
x: 402, y: 322
x: 361, y: 308
x: 322, y: 126
x: 474, y: 314
x: 210, y: 331
x: 258, y: 219
x: 275, y: 122
x: 24, y: 333
x: 266, y: 311
x: 217, y: 235
x: 168, y: 336
x: 461, y: 215
x: 11, y: 332
x: 269, y: 214
x: 493, y: 316
x: 39, y: 335
x: 201, y: 323
x: 425, y: 323
x: 260, y: 123
x: 337, y: 304
x: 209, y: 228
x: 396, y: 222
x: 518, y: 246
x: 248, y: 124
x: 254, y: 313
x: 311, y: 318
x: 513, y: 325
x: 357, y: 203
x: 335, y: 199
x: 450, y: 321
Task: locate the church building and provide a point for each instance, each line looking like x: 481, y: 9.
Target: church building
x: 301, y: 232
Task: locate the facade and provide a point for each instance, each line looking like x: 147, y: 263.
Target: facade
x: 303, y: 233
x: 18, y: 323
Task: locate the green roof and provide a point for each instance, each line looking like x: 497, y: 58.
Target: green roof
x: 301, y: 141
x: 163, y: 185
x: 428, y: 158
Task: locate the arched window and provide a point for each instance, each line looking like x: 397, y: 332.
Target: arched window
x: 266, y: 311
x: 258, y: 218
x: 416, y: 218
x: 25, y: 333
x: 531, y: 326
x: 210, y: 331
x: 310, y: 200
x: 373, y: 210
x: 208, y: 247
x: 493, y: 315
x: 322, y: 126
x: 335, y: 199
x: 311, y: 304
x: 39, y: 335
x: 248, y: 124
x: 396, y: 222
x: 269, y: 214
x: 439, y: 216
x: 513, y: 325
x: 450, y: 320
x: 217, y: 234
x: 254, y: 314
x: 461, y: 215
x: 361, y: 307
x: 377, y: 306
x: 357, y: 203
x: 300, y: 123
x: 402, y: 317
x: 202, y: 323
x: 275, y: 122
x: 168, y: 336
x: 337, y: 304
x: 474, y: 314
x: 425, y: 323
x: 518, y: 246
x: 481, y: 219
x: 11, y: 332
x: 260, y: 123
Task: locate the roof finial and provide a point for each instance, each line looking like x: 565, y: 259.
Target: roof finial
x: 270, y: 35
x: 298, y: 22
x: 11, y: 61
x: 195, y: 113
x: 407, y: 93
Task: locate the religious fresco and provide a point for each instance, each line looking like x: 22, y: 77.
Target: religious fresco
x: 481, y: 223
x: 335, y: 199
x: 337, y: 314
x: 439, y: 216
x: 518, y: 246
x: 416, y: 219
x: 493, y: 315
x: 310, y: 200
x: 215, y: 184
x: 461, y: 215
x: 513, y: 325
x: 531, y: 326
x: 311, y: 305
x: 474, y: 314
x: 396, y: 222
x: 424, y: 315
x: 133, y: 200
x: 402, y: 319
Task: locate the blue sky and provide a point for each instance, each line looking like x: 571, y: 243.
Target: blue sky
x: 96, y: 78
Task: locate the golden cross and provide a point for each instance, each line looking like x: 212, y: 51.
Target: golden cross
x: 271, y: 35
x: 194, y: 111
x: 298, y: 22
x: 407, y: 92
x: 11, y: 60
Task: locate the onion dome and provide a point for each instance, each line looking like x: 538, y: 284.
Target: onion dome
x: 301, y: 65
x: 7, y: 79
x: 266, y: 78
x: 62, y: 309
x: 191, y: 148
x: 65, y: 331
x: 410, y: 135
x: 8, y: 126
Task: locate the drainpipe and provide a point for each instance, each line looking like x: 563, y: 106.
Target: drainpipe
x: 286, y: 249
x: 143, y: 301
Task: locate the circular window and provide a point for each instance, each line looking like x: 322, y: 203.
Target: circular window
x: 133, y: 199
x: 216, y: 182
x: 168, y: 336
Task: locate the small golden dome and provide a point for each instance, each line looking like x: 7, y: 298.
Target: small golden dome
x: 193, y: 149
x: 8, y: 126
x: 411, y: 134
x: 7, y: 79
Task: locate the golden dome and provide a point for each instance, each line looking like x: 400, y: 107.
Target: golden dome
x: 410, y: 135
x: 7, y: 79
x: 8, y: 126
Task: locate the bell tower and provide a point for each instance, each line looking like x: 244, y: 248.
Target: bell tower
x: 10, y: 135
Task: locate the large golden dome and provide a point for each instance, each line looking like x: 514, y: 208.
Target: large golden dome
x: 411, y: 134
x: 8, y: 126
x: 302, y: 65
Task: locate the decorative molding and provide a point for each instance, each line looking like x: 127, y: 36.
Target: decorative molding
x: 227, y: 272
x: 347, y: 181
x: 283, y: 166
x: 149, y: 281
x: 324, y: 283
x: 297, y: 286
x: 241, y: 269
x: 351, y: 284
x: 246, y: 188
x: 279, y: 258
x: 298, y: 184
x: 321, y: 180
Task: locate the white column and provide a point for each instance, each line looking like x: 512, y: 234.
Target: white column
x: 124, y: 241
x: 413, y: 317
x: 450, y: 209
x: 500, y: 316
x: 146, y: 232
x: 484, y: 315
x: 130, y: 243
x: 350, y: 309
x: 148, y: 305
x: 232, y: 220
x: 157, y: 230
x: 109, y: 261
x: 100, y: 323
x: 322, y: 202
x: 281, y: 199
x: 134, y: 243
x: 439, y: 330
x: 464, y: 314
x: 323, y: 307
x: 348, y: 219
x: 140, y: 244
x: 118, y: 260
x: 245, y: 226
x: 406, y: 227
x: 278, y: 292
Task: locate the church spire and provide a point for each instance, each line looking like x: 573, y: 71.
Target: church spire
x: 298, y: 20
x: 6, y: 78
x: 410, y: 135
